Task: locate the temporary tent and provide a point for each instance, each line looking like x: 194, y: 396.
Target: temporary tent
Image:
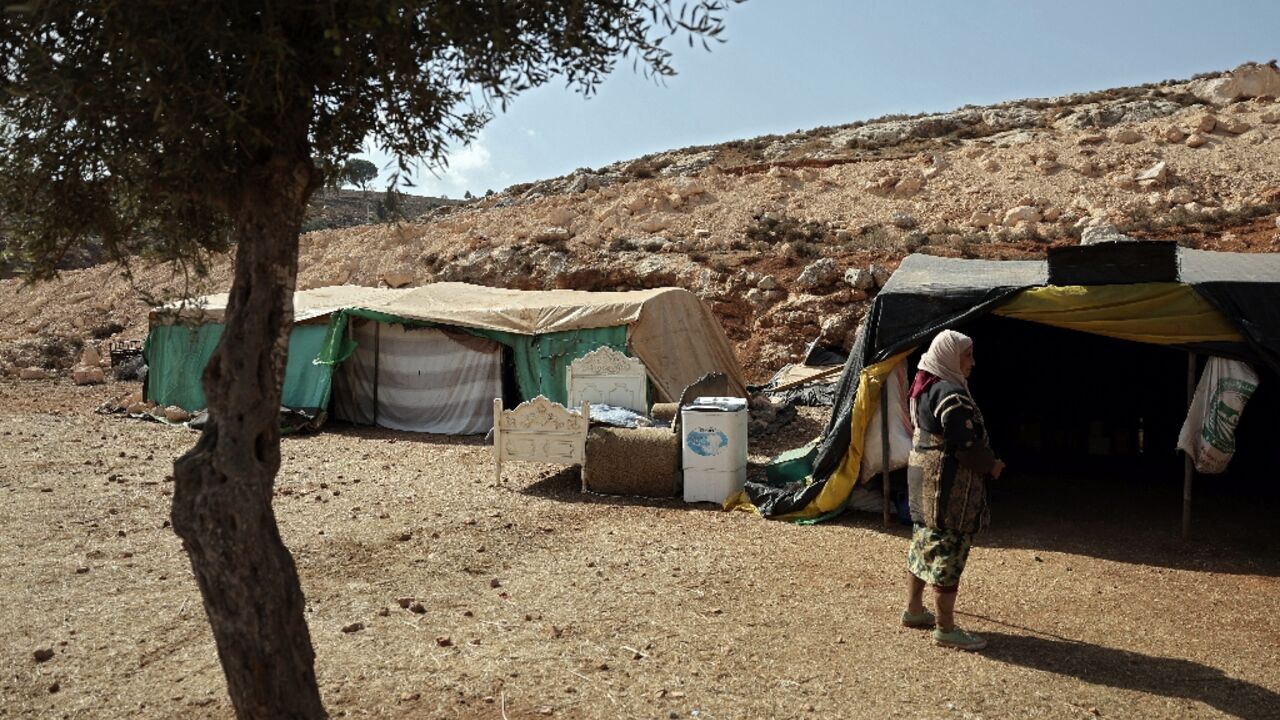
x: 399, y: 348
x: 1225, y: 304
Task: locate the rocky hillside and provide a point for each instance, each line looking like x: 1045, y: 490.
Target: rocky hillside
x: 787, y: 237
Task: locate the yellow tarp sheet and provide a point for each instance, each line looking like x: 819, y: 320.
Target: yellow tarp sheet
x: 838, y: 487
x: 1156, y: 313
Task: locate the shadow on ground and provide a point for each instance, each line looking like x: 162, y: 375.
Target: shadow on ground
x: 1170, y: 677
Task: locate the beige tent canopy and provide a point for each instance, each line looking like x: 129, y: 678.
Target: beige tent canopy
x: 669, y: 329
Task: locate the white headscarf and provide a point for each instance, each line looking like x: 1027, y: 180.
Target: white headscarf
x: 943, y: 357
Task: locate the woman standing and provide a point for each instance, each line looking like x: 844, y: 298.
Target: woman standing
x: 949, y: 466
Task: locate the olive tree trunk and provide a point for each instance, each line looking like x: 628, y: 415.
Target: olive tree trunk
x: 222, y: 498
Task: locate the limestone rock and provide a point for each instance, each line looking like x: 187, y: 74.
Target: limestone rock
x: 33, y: 373
x: 982, y: 219
x: 175, y: 414
x: 818, y: 275
x: 88, y: 376
x: 991, y: 166
x: 859, y: 279
x: 561, y: 217
x: 1247, y: 81
x: 1128, y: 136
x: 1122, y: 180
x: 550, y: 235
x: 1179, y: 196
x: 397, y: 278
x: 1102, y: 232
x: 1174, y: 135
x: 1089, y: 168
x: 1197, y: 140
x: 1207, y: 123
x: 844, y: 236
x: 1154, y: 176
x: 138, y: 408
x: 904, y: 220
x: 1235, y: 126
x: 1023, y: 214
x: 768, y: 282
x: 908, y: 186
x: 1271, y: 117
x: 1091, y: 139
x: 879, y: 274
x: 90, y: 357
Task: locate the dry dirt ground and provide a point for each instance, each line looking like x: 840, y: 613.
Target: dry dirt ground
x: 534, y: 600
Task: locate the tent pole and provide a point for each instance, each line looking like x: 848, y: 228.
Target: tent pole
x: 1187, y: 467
x: 884, y: 448
x: 377, y: 356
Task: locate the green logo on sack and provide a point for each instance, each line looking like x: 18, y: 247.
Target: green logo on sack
x: 1225, y: 406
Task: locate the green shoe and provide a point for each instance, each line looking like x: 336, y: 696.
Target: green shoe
x: 958, y: 639
x: 920, y: 620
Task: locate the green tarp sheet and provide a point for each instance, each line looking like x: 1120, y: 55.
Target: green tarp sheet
x: 176, y: 356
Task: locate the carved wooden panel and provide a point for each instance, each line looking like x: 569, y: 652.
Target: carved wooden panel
x: 539, y: 430
x: 606, y: 376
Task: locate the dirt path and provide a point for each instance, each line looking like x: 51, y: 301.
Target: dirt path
x: 538, y: 601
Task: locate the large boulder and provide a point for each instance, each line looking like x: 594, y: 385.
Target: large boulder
x: 1247, y: 81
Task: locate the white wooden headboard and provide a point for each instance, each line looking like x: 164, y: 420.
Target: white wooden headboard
x: 605, y: 376
x: 539, y: 430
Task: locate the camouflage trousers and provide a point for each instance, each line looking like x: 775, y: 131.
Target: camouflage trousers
x: 938, y: 556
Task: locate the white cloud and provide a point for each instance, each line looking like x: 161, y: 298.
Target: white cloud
x: 468, y: 168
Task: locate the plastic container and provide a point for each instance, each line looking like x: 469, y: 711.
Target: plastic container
x: 713, y: 448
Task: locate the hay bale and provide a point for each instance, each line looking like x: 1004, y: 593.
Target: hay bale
x: 666, y: 412
x: 632, y: 461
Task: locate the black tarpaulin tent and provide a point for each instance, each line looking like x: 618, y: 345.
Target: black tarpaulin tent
x: 1214, y: 303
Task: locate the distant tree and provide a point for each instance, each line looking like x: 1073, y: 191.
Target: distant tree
x: 468, y: 196
x: 178, y: 129
x: 359, y: 172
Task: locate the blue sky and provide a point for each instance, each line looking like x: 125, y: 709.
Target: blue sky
x: 798, y: 64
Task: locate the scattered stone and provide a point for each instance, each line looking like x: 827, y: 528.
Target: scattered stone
x: 903, y: 220
x: 43, y: 654
x: 397, y: 278
x: 879, y: 274
x: 1207, y: 123
x: 384, y: 612
x: 1174, y: 135
x: 1197, y: 140
x: 409, y: 696
x: 768, y: 282
x: 1179, y: 196
x: 908, y: 186
x: 1122, y: 180
x: 982, y: 219
x: 33, y: 373
x: 495, y: 583
x: 1089, y: 169
x: 1154, y: 176
x: 1270, y: 117
x: 443, y: 641
x: 417, y: 608
x: 1102, y: 232
x: 991, y: 166
x: 1092, y: 139
x: 138, y: 408
x: 549, y: 235
x: 1235, y: 126
x: 818, y: 275
x: 88, y: 376
x: 1021, y: 215
x: 859, y: 279
x: 54, y: 687
x: 175, y: 414
x: 844, y: 236
x: 404, y: 602
x: 1128, y: 136
x: 90, y: 357
x: 561, y: 217
x: 353, y: 627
